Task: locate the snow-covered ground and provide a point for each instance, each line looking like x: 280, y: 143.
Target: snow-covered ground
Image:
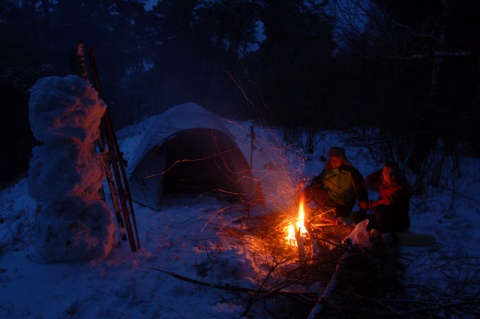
x: 193, y: 236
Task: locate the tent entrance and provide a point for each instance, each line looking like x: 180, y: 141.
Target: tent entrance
x: 203, y: 160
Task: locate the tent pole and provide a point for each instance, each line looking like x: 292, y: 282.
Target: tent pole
x: 252, y: 138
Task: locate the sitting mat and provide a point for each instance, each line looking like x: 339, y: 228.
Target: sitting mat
x: 415, y: 239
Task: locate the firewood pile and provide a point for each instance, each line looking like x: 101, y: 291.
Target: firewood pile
x: 293, y: 287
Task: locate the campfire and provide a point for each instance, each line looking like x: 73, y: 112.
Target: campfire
x: 297, y: 233
x: 307, y: 229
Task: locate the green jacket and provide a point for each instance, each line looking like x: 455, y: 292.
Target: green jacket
x: 344, y: 185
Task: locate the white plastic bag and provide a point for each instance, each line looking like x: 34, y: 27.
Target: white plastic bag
x: 359, y: 235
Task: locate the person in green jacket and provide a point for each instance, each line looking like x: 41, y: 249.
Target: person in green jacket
x: 338, y: 186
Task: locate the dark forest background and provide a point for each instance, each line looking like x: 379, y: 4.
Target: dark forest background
x: 402, y: 77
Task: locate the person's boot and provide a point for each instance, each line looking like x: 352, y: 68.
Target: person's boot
x: 387, y: 239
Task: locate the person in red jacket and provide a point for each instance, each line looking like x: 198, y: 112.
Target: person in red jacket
x: 392, y: 206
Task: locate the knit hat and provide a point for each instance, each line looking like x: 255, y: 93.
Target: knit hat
x: 336, y: 152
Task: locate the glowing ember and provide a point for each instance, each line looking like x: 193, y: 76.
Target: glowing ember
x: 297, y: 227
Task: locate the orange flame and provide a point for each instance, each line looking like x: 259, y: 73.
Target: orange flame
x: 299, y: 226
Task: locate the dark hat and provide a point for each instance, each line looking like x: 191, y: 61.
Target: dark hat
x: 336, y: 152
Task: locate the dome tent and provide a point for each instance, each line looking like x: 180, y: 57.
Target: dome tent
x: 187, y: 149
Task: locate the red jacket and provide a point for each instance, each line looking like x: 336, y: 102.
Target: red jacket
x: 396, y: 195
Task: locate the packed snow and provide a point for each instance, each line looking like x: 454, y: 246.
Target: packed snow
x: 187, y: 236
x: 73, y: 223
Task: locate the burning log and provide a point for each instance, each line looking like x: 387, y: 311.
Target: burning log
x: 300, y: 244
x: 315, y: 248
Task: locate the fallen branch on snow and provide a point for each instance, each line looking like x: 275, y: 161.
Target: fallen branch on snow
x: 319, y: 305
x: 233, y: 288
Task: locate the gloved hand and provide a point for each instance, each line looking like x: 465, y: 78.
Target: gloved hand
x: 363, y: 205
x: 382, y: 201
